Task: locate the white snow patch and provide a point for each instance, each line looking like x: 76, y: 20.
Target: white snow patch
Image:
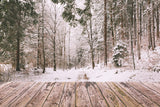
x: 96, y: 75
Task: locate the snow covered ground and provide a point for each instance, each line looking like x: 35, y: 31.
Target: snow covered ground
x: 144, y: 72
x: 87, y: 74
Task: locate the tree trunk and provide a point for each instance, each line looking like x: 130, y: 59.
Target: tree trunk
x: 91, y: 46
x: 153, y: 27
x: 18, y: 46
x: 132, y: 52
x: 91, y: 40
x: 54, y: 40
x: 69, y: 60
x: 149, y: 28
x: 111, y: 15
x: 64, y: 57
x: 138, y: 29
x: 54, y: 53
x: 105, y: 32
x: 38, y: 49
x: 158, y: 20
x: 43, y: 48
x: 141, y: 33
x: 18, y: 53
x: 135, y: 25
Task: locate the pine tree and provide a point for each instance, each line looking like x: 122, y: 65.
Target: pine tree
x: 119, y: 53
x: 16, y: 16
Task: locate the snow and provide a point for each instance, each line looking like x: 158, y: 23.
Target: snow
x: 147, y: 70
x: 5, y: 67
x: 87, y: 74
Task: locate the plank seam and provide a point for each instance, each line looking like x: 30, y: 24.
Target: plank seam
x: 48, y: 95
x: 16, y: 97
x: 116, y: 95
x: 75, y: 93
x: 89, y: 97
x: 8, y: 95
x: 35, y: 94
x: 62, y: 95
x: 150, y: 88
x: 144, y: 95
x: 102, y: 94
x: 129, y: 94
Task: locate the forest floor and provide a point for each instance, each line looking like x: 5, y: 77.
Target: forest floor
x: 87, y: 74
x: 147, y: 70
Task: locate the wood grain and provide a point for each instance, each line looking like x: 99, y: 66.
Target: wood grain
x: 81, y: 94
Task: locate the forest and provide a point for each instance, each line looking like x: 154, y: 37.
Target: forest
x: 79, y: 39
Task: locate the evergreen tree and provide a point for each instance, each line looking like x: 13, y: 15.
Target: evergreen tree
x: 15, y: 17
x: 119, y: 53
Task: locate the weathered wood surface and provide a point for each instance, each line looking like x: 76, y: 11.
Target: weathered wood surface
x: 80, y: 94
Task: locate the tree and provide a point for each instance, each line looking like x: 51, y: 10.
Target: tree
x: 105, y: 32
x: 157, y: 19
x: 131, y: 34
x: 85, y: 19
x: 138, y: 29
x: 16, y: 16
x: 119, y: 53
x: 43, y: 46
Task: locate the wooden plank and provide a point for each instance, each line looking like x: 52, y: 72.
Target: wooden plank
x: 39, y: 99
x: 151, y: 86
x: 15, y: 93
x: 55, y: 95
x: 27, y: 95
x: 109, y: 95
x: 125, y: 97
x: 138, y: 96
x: 4, y: 90
x: 147, y: 92
x: 68, y: 99
x: 4, y: 85
x: 156, y: 84
x: 7, y: 91
x: 95, y: 95
x: 82, y: 98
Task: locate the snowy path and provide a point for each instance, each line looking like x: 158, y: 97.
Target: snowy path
x: 96, y: 75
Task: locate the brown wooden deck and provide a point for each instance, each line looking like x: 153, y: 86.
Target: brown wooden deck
x: 87, y: 94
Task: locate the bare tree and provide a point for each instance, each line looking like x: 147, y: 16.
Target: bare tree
x: 43, y: 47
x: 105, y: 32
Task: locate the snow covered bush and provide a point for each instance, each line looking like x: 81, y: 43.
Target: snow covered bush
x: 119, y: 53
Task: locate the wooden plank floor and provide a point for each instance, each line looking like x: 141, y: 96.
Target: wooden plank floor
x: 81, y: 94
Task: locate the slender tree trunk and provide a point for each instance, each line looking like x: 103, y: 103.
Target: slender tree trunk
x: 18, y: 46
x: 91, y: 40
x: 105, y: 32
x: 111, y: 15
x: 69, y: 60
x: 150, y: 33
x: 38, y: 49
x: 135, y: 25
x: 153, y: 27
x: 54, y: 39
x: 54, y: 53
x: 122, y: 22
x: 132, y: 52
x: 138, y: 30
x: 43, y: 47
x: 141, y: 33
x: 158, y: 20
x: 64, y: 57
x: 115, y: 26
x: 18, y: 53
x: 92, y: 50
